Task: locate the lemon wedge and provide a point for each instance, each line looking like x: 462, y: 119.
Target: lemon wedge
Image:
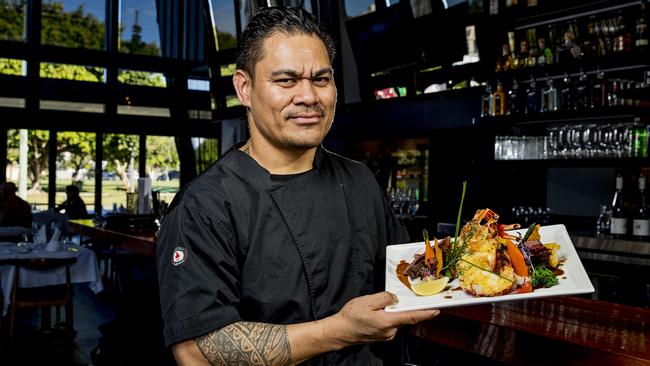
x: 430, y: 287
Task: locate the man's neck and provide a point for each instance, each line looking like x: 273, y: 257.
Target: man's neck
x: 280, y: 161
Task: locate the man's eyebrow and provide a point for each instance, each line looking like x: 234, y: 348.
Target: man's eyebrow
x: 297, y: 75
x: 323, y: 71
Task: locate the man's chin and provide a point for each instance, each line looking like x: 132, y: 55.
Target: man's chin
x: 305, y: 144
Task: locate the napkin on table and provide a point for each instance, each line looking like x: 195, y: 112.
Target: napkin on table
x: 53, y: 245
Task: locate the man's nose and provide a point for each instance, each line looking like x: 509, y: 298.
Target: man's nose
x: 305, y: 93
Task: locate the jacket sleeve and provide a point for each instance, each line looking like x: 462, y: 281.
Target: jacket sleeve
x: 198, y: 272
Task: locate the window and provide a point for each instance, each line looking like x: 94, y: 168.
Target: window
x: 206, y: 152
x: 73, y: 72
x: 139, y: 31
x: 223, y: 16
x: 34, y: 177
x: 355, y: 8
x: 163, y: 166
x: 73, y: 23
x: 12, y: 66
x: 119, y: 169
x: 12, y: 20
x: 228, y: 70
x: 142, y: 78
x: 75, y: 165
x: 232, y: 101
x: 247, y: 6
x: 198, y: 85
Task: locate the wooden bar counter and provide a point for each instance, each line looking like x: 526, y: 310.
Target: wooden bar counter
x: 143, y: 244
x: 550, y: 331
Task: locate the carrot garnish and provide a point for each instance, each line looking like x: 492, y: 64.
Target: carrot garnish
x: 517, y: 259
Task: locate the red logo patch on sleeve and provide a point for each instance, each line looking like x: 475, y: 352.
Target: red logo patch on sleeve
x: 179, y: 256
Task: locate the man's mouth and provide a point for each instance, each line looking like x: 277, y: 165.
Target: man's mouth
x: 305, y: 118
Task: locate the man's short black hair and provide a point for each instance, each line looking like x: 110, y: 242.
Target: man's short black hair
x: 266, y: 21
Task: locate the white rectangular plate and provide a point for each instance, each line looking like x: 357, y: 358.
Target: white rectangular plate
x: 573, y: 281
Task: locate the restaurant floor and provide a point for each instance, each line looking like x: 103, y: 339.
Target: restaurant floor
x: 31, y: 346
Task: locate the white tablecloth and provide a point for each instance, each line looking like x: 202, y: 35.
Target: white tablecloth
x: 85, y: 270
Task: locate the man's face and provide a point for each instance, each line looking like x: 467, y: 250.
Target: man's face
x: 293, y: 97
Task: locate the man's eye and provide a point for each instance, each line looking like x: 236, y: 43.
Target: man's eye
x: 285, y: 81
x: 321, y: 80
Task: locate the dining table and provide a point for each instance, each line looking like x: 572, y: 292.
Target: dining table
x: 142, y: 243
x: 85, y: 270
x: 14, y: 231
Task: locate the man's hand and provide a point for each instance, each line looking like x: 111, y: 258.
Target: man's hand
x: 363, y: 319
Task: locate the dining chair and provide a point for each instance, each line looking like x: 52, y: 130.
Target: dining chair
x: 43, y: 297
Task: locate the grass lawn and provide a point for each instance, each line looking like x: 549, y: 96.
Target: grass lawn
x: 112, y: 192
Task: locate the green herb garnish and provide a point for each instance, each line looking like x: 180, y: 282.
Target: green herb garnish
x: 457, y: 250
x: 543, y: 277
x: 529, y: 232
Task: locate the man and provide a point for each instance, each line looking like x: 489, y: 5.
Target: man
x: 14, y: 211
x: 74, y: 206
x: 269, y: 256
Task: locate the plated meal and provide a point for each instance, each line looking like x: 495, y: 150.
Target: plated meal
x: 487, y: 262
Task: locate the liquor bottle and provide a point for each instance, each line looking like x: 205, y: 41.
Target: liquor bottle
x: 613, y: 98
x: 486, y: 101
x: 619, y: 228
x: 641, y: 41
x: 584, y: 98
x: 603, y: 222
x: 640, y: 139
x: 532, y: 97
x: 514, y: 106
x: 494, y: 7
x: 567, y: 94
x: 552, y: 96
x: 549, y: 97
x: 600, y: 90
x: 641, y: 218
x: 490, y: 101
x: 499, y: 100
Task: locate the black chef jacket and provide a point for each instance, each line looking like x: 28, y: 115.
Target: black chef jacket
x: 238, y: 246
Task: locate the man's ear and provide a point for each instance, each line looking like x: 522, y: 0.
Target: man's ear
x: 242, y: 82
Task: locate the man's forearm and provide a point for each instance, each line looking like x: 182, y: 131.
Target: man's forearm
x: 247, y: 343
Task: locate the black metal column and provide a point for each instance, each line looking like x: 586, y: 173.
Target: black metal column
x: 99, y: 157
x: 3, y: 154
x: 51, y: 168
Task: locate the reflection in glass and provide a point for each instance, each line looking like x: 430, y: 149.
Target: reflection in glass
x: 228, y: 70
x: 120, y: 169
x: 75, y: 165
x: 355, y: 8
x: 223, y: 17
x: 139, y: 32
x: 12, y: 20
x: 62, y: 105
x: 72, y: 72
x: 247, y: 6
x: 232, y: 101
x: 142, y: 78
x: 36, y: 166
x: 198, y: 84
x: 73, y: 23
x: 163, y: 166
x: 206, y: 152
x: 12, y: 66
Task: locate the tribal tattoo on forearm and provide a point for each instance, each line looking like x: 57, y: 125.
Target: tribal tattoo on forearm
x: 247, y: 343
